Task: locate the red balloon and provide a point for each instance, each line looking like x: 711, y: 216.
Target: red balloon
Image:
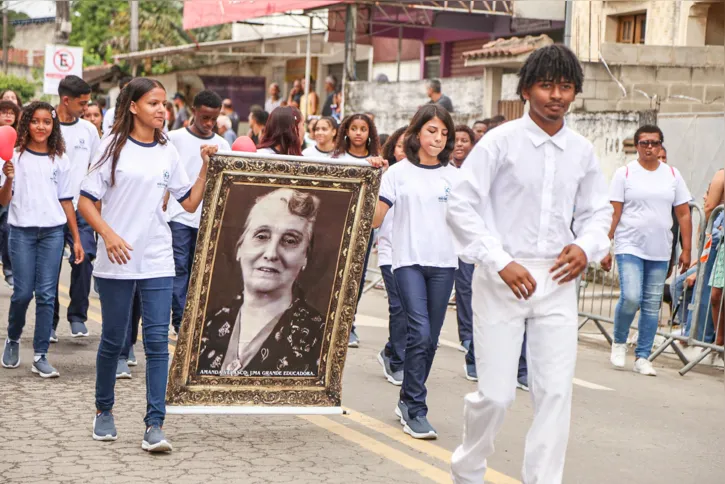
x: 244, y: 144
x: 8, y: 135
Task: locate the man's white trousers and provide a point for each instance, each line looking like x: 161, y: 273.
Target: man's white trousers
x: 499, y: 320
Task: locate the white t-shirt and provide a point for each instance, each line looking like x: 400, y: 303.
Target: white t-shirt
x: 645, y: 228
x: 267, y: 151
x: 420, y: 234
x: 315, y: 152
x: 81, y: 143
x: 40, y: 184
x: 132, y: 207
x: 189, y: 147
x: 108, y: 120
x: 350, y: 157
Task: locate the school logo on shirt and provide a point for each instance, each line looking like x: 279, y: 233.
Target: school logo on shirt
x: 81, y: 145
x: 54, y: 175
x: 165, y: 183
x: 444, y: 198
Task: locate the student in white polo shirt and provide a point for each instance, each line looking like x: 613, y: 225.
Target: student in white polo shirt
x: 37, y: 186
x: 135, y: 167
x: 184, y: 225
x: 81, y: 143
x: 325, y: 137
x: 357, y: 139
x: 424, y: 260
x: 283, y: 132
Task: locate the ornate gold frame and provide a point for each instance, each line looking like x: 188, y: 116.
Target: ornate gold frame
x: 185, y: 388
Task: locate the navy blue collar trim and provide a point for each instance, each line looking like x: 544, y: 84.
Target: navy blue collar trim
x: 145, y: 145
x: 197, y: 136
x: 428, y: 167
x: 36, y: 153
x: 359, y: 157
x: 71, y: 124
x: 324, y: 152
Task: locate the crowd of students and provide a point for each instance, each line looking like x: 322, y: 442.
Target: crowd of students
x: 509, y: 217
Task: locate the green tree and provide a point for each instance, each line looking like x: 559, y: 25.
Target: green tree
x: 24, y: 88
x: 12, y: 15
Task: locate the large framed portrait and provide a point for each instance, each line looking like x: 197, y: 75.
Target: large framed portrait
x: 274, y: 284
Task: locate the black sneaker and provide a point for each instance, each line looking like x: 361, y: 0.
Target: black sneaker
x: 78, y: 329
x: 53, y: 336
x: 104, y: 427
x: 131, y: 357
x: 154, y: 440
x: 522, y: 383
x: 420, y: 428
x: 122, y: 370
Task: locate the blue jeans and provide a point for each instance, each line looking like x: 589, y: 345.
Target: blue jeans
x: 464, y: 276
x: 81, y: 274
x: 116, y: 306
x: 641, y: 284
x: 424, y: 293
x: 523, y: 366
x: 184, y: 243
x: 397, y: 322
x: 35, y: 253
x: 677, y: 288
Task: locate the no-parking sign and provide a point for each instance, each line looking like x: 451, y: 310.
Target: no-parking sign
x: 61, y: 61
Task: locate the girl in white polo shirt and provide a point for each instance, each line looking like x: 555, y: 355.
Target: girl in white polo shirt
x: 37, y: 185
x: 325, y: 137
x: 424, y: 259
x: 135, y: 166
x: 283, y: 132
x: 357, y: 139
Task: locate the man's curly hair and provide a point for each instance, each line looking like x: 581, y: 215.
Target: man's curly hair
x: 56, y: 145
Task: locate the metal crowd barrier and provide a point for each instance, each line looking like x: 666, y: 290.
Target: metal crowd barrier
x: 598, y: 293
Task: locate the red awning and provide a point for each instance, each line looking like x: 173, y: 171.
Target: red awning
x: 203, y: 13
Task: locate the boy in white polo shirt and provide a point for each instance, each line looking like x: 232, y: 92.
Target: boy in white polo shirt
x: 81, y: 143
x: 184, y: 225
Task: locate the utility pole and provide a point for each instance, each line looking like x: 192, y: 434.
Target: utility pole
x: 133, y: 39
x: 62, y: 22
x: 348, y: 73
x: 6, y: 47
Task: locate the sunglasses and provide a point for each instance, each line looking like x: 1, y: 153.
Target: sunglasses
x: 649, y: 142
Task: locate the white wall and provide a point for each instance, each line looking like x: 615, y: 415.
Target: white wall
x: 409, y: 70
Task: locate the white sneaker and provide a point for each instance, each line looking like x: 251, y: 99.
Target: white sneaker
x: 619, y: 355
x: 644, y: 367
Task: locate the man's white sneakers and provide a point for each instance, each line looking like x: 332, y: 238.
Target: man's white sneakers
x: 644, y: 367
x: 619, y: 355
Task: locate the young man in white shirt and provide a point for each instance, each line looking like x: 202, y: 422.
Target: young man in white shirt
x: 643, y: 193
x: 81, y: 143
x: 511, y: 213
x: 207, y: 106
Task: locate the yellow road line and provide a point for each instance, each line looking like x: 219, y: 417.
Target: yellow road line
x: 492, y: 476
x: 401, y: 458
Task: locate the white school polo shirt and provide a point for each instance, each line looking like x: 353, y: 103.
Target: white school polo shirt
x: 315, y: 152
x: 40, y: 184
x: 133, y: 206
x: 81, y: 143
x: 419, y: 193
x: 645, y: 228
x: 189, y: 147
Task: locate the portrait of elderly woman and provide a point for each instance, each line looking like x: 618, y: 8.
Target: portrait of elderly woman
x: 268, y: 328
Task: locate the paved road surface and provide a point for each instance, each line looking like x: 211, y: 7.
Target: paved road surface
x: 625, y: 428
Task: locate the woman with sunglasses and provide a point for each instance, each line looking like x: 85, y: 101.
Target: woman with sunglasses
x: 643, y: 193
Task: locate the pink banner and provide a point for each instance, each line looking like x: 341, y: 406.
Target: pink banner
x: 203, y: 13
